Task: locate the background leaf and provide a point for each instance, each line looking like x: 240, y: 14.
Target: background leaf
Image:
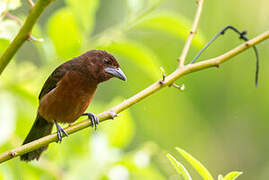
x: 157, y: 34
x: 84, y: 12
x: 65, y: 34
x: 140, y: 55
x: 196, y: 164
x: 232, y: 175
x: 173, y: 24
x: 179, y: 167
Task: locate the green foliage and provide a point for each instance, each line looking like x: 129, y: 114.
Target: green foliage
x: 198, y: 166
x: 62, y: 27
x: 140, y: 56
x: 84, y: 12
x: 173, y: 24
x: 179, y: 167
x: 121, y: 133
x: 143, y: 35
x: 232, y: 175
x: 3, y: 44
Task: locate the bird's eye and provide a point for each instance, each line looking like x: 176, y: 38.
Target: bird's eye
x: 107, y: 61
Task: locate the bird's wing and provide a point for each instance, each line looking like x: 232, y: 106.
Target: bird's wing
x: 53, y: 79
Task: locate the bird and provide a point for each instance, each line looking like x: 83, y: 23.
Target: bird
x: 67, y: 93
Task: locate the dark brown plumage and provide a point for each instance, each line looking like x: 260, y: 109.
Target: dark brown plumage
x: 67, y: 93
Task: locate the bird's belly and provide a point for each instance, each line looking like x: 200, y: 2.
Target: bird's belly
x: 63, y: 105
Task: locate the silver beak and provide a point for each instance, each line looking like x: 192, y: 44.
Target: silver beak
x: 116, y: 72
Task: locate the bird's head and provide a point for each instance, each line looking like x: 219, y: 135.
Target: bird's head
x: 102, y: 65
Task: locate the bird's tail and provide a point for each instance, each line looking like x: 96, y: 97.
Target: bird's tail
x: 40, y: 129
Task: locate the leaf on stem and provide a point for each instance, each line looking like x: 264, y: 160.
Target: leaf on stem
x: 179, y: 167
x: 232, y: 175
x: 196, y: 164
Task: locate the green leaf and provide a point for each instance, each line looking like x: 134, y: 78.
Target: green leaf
x: 173, y: 24
x: 196, y: 164
x: 1, y: 175
x: 232, y: 175
x: 179, y: 167
x: 139, y: 54
x: 64, y: 32
x: 3, y: 45
x: 84, y: 11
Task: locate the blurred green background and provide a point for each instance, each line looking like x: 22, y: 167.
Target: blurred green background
x: 220, y: 118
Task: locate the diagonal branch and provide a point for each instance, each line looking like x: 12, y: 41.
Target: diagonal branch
x: 24, y: 33
x: 168, y: 80
x: 187, y: 45
x: 179, y: 72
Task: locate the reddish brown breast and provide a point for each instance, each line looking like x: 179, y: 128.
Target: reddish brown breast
x: 69, y: 100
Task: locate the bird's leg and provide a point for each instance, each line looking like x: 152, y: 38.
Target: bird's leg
x: 60, y: 130
x: 93, y: 118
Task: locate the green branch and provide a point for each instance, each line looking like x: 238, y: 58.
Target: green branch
x: 24, y: 33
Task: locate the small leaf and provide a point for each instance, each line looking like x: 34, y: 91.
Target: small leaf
x: 139, y: 54
x: 3, y: 45
x: 173, y: 24
x: 232, y: 175
x: 196, y: 164
x: 179, y: 167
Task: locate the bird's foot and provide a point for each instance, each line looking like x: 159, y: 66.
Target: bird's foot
x: 93, y: 118
x: 60, y: 132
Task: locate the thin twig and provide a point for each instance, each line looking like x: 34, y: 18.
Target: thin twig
x: 179, y: 72
x: 187, y: 45
x: 24, y: 33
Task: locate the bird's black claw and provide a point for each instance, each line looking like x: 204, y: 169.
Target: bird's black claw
x: 93, y: 118
x: 60, y: 130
